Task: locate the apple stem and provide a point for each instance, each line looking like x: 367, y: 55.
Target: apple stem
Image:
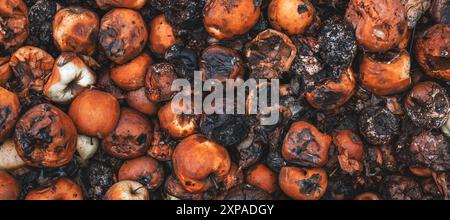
x: 135, y: 191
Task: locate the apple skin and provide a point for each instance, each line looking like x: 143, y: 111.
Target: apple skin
x: 127, y: 190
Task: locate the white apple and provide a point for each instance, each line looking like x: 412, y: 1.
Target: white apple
x: 87, y: 146
x: 9, y: 159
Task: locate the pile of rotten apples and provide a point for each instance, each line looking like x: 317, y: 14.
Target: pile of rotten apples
x: 85, y: 99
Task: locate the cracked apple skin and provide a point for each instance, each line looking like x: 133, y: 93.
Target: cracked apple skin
x: 45, y: 137
x: 379, y: 25
x: 14, y: 24
x: 123, y: 34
